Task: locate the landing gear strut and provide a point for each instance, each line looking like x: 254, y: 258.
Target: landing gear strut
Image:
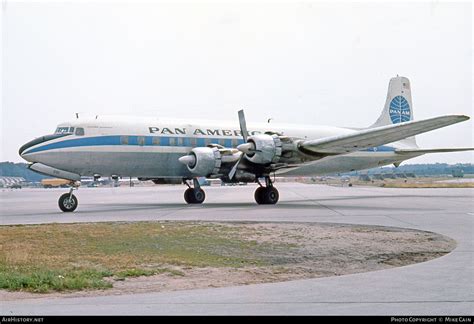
x: 68, y: 202
x: 194, y: 195
x: 267, y: 195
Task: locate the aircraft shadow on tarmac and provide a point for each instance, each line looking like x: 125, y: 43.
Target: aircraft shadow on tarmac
x: 289, y: 204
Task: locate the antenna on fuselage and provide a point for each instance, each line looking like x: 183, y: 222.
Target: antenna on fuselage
x: 77, y: 115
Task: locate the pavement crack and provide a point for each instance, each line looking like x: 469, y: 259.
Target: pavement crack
x: 314, y: 201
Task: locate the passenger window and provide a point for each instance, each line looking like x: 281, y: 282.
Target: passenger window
x: 79, y: 131
x: 141, y: 140
x: 156, y: 140
x: 124, y: 140
x: 193, y: 141
x: 180, y: 141
x: 172, y: 141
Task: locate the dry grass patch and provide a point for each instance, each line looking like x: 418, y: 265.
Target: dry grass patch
x: 78, y: 256
x: 158, y: 256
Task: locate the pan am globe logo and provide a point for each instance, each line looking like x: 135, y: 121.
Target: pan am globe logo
x: 399, y: 110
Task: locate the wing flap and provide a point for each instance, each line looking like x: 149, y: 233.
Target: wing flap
x: 359, y: 140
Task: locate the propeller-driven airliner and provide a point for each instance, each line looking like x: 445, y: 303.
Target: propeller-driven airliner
x: 172, y: 150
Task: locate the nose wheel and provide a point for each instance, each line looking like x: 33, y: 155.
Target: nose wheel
x: 68, y: 202
x: 267, y: 195
x: 194, y: 195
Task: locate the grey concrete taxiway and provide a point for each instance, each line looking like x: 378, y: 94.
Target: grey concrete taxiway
x: 443, y: 286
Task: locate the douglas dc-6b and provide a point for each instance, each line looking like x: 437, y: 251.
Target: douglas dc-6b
x: 165, y: 150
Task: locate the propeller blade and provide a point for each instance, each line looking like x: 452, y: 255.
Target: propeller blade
x: 243, y: 125
x: 243, y: 148
x: 234, y: 168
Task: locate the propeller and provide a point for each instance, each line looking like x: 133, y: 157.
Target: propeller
x: 247, y: 148
x: 244, y: 148
x: 243, y: 125
x: 189, y: 160
x: 234, y: 168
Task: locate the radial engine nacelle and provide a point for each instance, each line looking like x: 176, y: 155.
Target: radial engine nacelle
x: 203, y: 161
x: 262, y: 149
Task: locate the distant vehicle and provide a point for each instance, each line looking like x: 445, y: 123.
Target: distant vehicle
x: 163, y: 180
x: 233, y: 183
x: 190, y: 149
x: 55, y: 183
x: 15, y: 186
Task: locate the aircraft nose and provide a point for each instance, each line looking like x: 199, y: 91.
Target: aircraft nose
x: 29, y: 144
x: 23, y: 148
x: 23, y: 151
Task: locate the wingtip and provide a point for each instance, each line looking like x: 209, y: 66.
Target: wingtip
x: 460, y: 118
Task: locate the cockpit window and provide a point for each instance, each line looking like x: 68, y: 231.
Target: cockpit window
x: 79, y: 131
x: 64, y: 130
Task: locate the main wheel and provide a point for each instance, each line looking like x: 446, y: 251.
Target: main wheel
x: 193, y: 196
x: 199, y: 196
x: 259, y: 195
x: 68, y: 202
x: 270, y: 195
x: 189, y: 196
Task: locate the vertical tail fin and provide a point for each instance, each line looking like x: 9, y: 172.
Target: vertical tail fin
x: 398, y: 106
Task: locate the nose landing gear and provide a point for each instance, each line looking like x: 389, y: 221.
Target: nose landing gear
x: 194, y: 195
x: 68, y: 202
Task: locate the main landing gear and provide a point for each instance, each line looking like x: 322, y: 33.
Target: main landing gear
x: 68, y: 202
x: 267, y: 195
x: 194, y: 195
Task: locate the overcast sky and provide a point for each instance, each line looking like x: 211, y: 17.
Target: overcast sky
x: 311, y: 63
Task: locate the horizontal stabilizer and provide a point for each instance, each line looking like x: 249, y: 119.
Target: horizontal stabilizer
x: 372, y: 137
x: 441, y: 150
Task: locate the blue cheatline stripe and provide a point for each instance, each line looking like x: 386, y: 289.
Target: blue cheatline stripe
x: 148, y: 141
x: 132, y: 140
x: 87, y: 141
x: 200, y: 142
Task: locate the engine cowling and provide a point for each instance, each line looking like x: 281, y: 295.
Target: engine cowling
x: 203, y: 161
x: 262, y: 149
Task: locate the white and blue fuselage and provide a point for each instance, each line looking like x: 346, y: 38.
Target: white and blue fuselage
x: 160, y: 149
x: 151, y: 147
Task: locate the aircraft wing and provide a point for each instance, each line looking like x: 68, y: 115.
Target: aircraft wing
x: 359, y: 140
